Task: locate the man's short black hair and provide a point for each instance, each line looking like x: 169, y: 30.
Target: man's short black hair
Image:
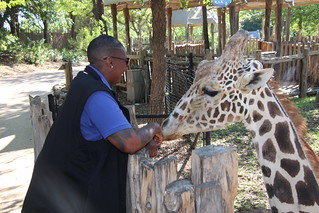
x: 101, y: 47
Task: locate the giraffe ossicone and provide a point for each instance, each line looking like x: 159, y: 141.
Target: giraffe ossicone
x: 231, y: 89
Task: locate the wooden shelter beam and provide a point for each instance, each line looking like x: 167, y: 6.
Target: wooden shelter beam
x: 169, y: 13
x: 266, y: 28
x: 278, y: 25
x: 205, y: 27
x: 234, y: 18
x: 287, y: 27
x: 212, y: 30
x: 221, y: 30
x: 114, y: 20
x: 127, y: 29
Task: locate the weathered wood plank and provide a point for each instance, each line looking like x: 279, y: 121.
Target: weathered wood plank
x: 148, y: 193
x: 133, y: 187
x: 41, y: 120
x: 165, y: 173
x: 209, y: 197
x: 219, y: 164
x: 304, y: 74
x: 179, y: 197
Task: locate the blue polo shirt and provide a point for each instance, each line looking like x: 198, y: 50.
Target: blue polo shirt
x: 102, y: 116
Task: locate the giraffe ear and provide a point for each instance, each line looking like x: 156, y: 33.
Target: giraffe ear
x: 255, y: 79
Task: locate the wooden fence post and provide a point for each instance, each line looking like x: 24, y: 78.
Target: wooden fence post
x: 165, y: 173
x: 179, y: 197
x: 133, y: 185
x: 155, y: 175
x: 133, y: 121
x: 215, y: 164
x: 258, y: 54
x: 148, y: 192
x: 304, y: 73
x: 41, y: 121
x: 68, y: 73
x: 209, y: 196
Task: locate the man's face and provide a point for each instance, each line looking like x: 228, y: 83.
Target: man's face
x: 119, y: 61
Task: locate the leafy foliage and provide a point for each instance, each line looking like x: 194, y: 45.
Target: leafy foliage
x: 36, y: 52
x: 308, y: 23
x: 72, y: 55
x: 252, y: 20
x: 83, y: 38
x: 33, y: 52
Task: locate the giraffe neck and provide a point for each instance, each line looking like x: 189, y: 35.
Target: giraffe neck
x: 289, y: 179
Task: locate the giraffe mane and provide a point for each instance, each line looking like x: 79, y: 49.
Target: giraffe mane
x: 300, y: 124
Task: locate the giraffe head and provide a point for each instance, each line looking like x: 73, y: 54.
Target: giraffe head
x: 217, y: 96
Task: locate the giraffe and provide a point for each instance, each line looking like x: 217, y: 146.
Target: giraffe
x: 231, y: 89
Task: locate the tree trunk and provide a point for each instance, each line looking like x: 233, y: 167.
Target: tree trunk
x: 159, y: 62
x: 98, y: 12
x: 14, y: 22
x: 205, y: 27
x: 2, y: 20
x: 267, y: 20
x: 45, y: 32
x: 73, y: 35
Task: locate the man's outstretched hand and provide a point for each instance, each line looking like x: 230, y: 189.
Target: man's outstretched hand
x: 152, y: 148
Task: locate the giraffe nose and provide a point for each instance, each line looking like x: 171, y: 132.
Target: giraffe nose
x: 165, y: 122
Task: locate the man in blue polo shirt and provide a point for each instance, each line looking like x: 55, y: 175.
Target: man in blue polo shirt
x: 82, y: 166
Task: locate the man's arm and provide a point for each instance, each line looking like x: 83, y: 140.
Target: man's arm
x: 130, y: 140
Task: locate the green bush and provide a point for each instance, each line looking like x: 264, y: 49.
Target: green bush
x: 83, y: 38
x: 37, y: 52
x: 10, y: 47
x: 33, y: 52
x: 72, y: 55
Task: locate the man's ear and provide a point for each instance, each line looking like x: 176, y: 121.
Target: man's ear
x: 255, y: 79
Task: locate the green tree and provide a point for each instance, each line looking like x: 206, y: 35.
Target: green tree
x: 44, y: 10
x: 251, y: 20
x: 304, y: 20
x: 76, y: 10
x: 9, y: 10
x: 141, y: 24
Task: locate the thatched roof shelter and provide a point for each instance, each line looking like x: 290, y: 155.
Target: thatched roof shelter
x: 192, y: 17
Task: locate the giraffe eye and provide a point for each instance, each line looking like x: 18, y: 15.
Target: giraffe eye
x: 211, y: 93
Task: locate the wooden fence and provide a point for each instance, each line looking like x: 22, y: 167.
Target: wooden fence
x: 194, y: 47
x: 302, y: 67
x: 290, y: 71
x: 152, y: 185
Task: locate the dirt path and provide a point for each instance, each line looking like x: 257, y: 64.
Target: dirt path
x: 16, y: 145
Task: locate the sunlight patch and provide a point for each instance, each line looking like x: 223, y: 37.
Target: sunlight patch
x: 5, y: 141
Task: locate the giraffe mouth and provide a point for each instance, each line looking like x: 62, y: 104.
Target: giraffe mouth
x: 169, y: 133
x: 171, y: 137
